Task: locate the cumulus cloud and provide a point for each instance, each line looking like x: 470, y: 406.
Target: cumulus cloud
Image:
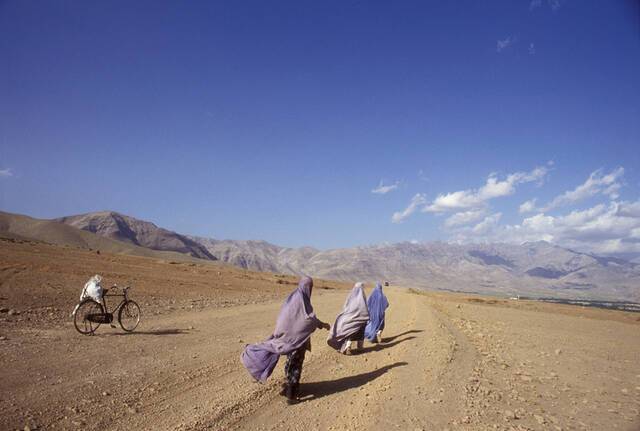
x: 6, y: 172
x: 597, y: 183
x: 528, y: 206
x: 487, y: 225
x: 532, y: 48
x: 535, y: 4
x: 503, y: 44
x: 418, y: 200
x: 464, y: 217
x: 493, y: 188
x: 383, y: 190
x: 603, y: 228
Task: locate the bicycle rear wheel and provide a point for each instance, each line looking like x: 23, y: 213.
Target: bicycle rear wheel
x: 81, y: 322
x: 129, y: 316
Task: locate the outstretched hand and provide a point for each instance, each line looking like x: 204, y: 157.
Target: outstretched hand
x: 325, y: 326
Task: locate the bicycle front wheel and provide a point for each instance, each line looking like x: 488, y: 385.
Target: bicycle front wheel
x: 80, y: 318
x: 129, y: 316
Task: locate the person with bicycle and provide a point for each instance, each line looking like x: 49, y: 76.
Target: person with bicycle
x: 92, y: 309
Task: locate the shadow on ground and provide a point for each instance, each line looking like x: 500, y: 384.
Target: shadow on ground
x: 413, y: 331
x: 381, y: 346
x: 172, y: 331
x: 315, y: 390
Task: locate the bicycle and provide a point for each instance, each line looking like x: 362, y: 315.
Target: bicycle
x: 89, y: 314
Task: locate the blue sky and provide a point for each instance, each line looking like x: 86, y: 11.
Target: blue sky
x: 276, y: 120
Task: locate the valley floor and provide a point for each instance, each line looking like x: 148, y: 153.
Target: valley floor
x: 446, y: 363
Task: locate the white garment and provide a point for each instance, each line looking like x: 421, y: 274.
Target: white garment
x: 93, y: 289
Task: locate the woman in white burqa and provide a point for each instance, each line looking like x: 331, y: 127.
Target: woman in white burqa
x: 350, y: 323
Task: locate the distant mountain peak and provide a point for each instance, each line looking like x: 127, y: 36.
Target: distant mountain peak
x: 535, y: 268
x: 125, y: 228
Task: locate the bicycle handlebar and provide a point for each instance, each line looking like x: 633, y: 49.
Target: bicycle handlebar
x: 115, y: 286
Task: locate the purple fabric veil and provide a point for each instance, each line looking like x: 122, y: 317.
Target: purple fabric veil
x: 353, y: 318
x: 294, y: 326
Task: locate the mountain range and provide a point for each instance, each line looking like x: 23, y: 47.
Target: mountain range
x: 536, y: 269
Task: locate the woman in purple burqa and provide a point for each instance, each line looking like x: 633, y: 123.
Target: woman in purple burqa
x: 296, y: 322
x: 350, y: 323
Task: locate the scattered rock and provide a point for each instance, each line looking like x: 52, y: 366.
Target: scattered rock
x: 13, y: 312
x: 541, y: 420
x: 558, y: 351
x: 105, y: 393
x: 4, y: 310
x: 510, y: 415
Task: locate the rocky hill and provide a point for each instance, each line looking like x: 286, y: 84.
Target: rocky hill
x: 138, y: 232
x: 21, y: 227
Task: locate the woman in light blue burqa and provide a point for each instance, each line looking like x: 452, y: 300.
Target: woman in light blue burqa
x: 291, y: 336
x: 377, y: 305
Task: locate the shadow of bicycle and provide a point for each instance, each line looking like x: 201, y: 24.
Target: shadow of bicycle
x: 172, y: 331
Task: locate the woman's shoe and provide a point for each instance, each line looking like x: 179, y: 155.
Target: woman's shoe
x: 292, y: 394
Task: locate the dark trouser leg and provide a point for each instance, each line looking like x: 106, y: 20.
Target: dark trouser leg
x: 293, y: 371
x: 359, y: 338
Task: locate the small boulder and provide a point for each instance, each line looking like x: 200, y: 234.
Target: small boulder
x: 540, y: 419
x: 510, y: 415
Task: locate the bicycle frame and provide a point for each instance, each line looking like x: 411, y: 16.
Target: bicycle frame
x: 122, y: 302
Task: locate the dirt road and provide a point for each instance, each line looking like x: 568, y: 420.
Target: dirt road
x: 446, y: 363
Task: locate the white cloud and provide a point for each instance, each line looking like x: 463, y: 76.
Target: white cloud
x: 383, y: 190
x: 629, y: 209
x: 6, y: 172
x: 597, y: 183
x: 487, y: 225
x: 417, y: 200
x: 554, y: 5
x: 603, y: 228
x: 535, y: 4
x: 493, y: 188
x: 414, y: 241
x: 503, y: 44
x: 464, y: 217
x: 527, y: 206
x: 532, y: 48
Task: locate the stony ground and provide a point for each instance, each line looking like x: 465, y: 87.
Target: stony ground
x: 447, y: 361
